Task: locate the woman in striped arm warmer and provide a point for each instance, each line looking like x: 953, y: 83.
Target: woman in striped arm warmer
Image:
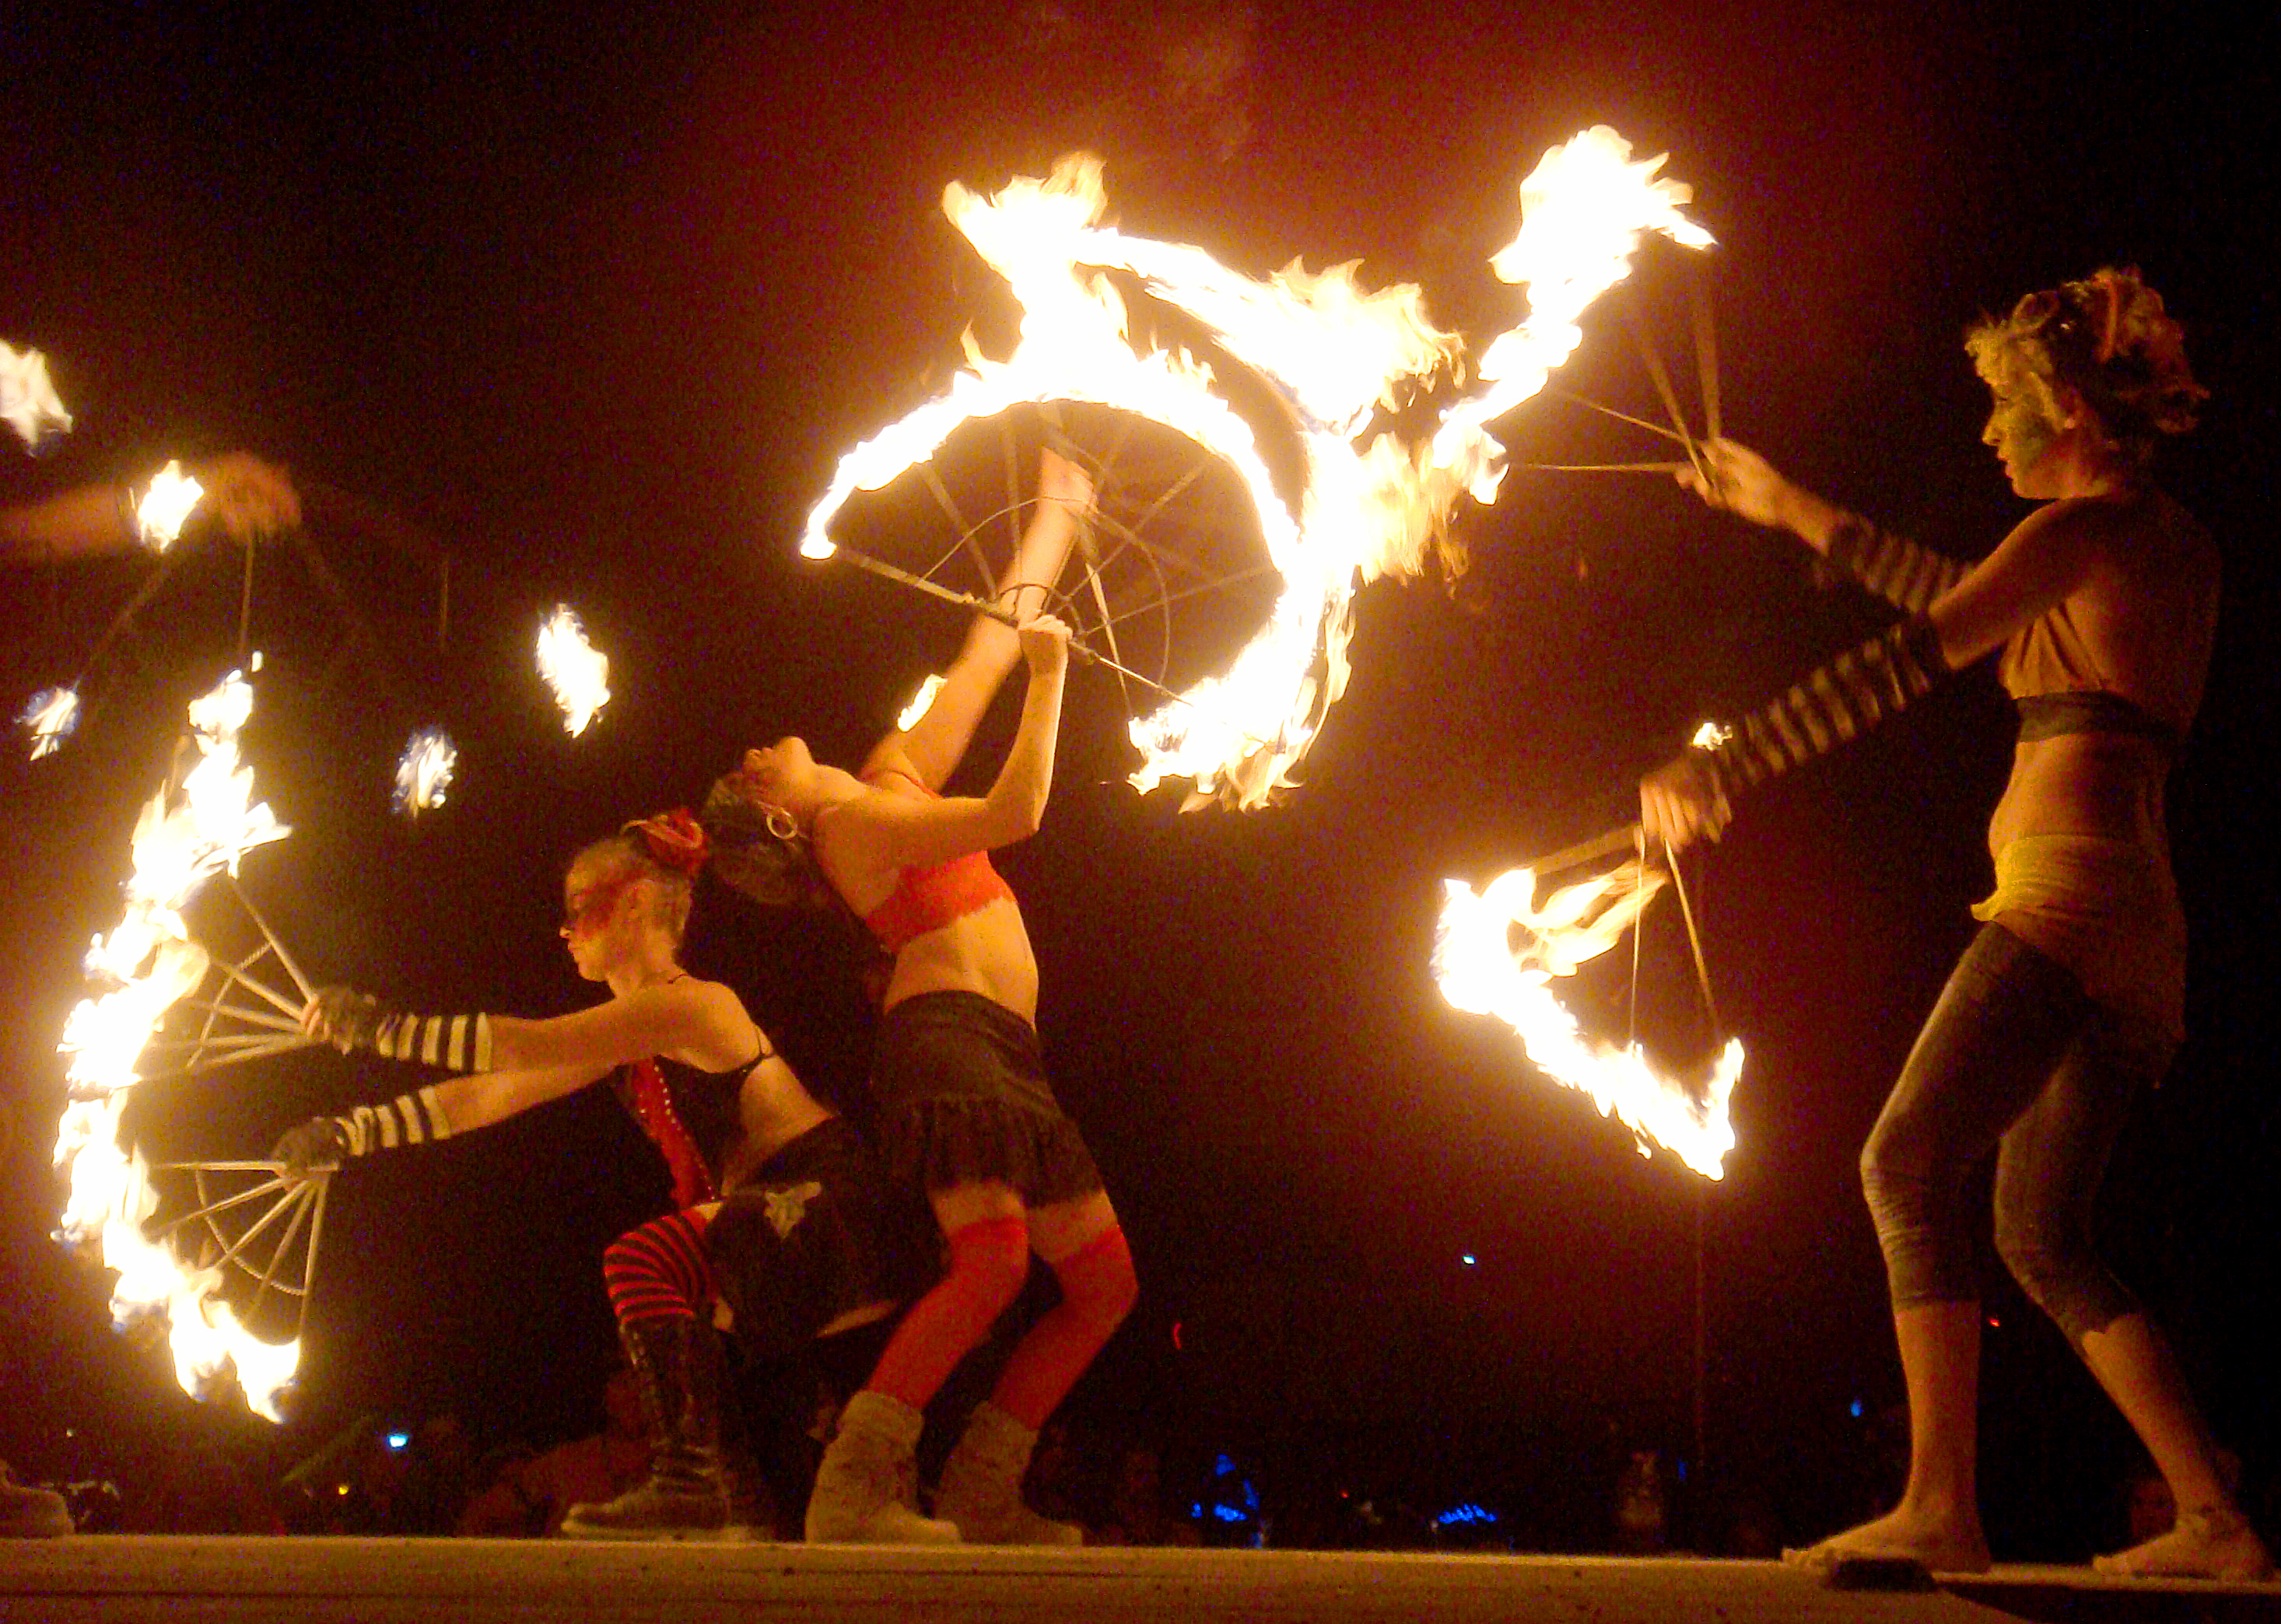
x: 781, y: 1219
x: 2103, y: 601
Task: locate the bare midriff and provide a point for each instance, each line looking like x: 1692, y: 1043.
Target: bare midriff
x: 775, y: 1110
x: 2107, y: 785
x: 987, y: 953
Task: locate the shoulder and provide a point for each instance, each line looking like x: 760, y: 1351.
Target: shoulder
x: 2067, y: 542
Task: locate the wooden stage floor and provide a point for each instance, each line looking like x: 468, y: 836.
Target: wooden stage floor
x: 374, y: 1581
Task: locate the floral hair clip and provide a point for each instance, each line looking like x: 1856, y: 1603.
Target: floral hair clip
x: 674, y: 838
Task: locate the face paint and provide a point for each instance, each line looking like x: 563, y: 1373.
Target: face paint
x: 2020, y: 427
x: 585, y: 902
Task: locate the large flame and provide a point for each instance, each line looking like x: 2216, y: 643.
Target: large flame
x: 1479, y: 970
x: 188, y: 832
x: 1337, y: 351
x: 29, y: 401
x: 577, y: 673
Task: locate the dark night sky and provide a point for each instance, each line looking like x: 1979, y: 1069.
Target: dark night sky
x: 598, y: 295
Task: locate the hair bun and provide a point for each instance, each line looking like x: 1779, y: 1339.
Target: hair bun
x: 675, y: 840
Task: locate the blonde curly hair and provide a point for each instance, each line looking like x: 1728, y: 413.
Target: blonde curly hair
x: 2108, y: 338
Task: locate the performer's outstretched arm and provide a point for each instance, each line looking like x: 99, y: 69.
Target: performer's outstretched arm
x: 700, y: 1021
x: 250, y: 499
x: 2046, y: 557
x: 422, y: 1115
x: 909, y: 829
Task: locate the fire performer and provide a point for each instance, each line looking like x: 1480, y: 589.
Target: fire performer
x: 782, y: 1215
x: 964, y: 1108
x: 2072, y: 998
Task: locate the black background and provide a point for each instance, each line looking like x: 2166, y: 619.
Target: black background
x: 598, y: 295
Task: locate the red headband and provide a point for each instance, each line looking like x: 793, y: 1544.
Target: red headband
x: 675, y: 840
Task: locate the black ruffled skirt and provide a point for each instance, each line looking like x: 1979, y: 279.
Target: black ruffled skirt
x: 962, y: 1098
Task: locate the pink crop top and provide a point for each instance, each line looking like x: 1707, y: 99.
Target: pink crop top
x: 928, y: 898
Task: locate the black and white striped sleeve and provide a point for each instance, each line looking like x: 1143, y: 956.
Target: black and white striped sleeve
x: 1909, y: 576
x: 1847, y: 697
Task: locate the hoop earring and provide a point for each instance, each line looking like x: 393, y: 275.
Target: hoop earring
x: 782, y: 824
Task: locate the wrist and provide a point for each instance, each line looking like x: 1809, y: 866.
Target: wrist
x: 1809, y: 518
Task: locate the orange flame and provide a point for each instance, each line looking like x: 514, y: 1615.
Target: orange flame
x: 186, y: 833
x: 1338, y: 351
x: 1479, y: 971
x: 167, y: 504
x: 579, y: 675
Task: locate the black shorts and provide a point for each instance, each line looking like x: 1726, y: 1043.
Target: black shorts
x: 963, y: 1099
x: 814, y: 1233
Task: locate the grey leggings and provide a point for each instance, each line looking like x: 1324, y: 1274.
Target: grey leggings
x: 2013, y: 1056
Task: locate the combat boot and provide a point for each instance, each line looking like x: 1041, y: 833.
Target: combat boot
x: 677, y: 1365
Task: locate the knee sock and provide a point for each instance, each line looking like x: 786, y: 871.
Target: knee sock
x: 660, y: 1271
x: 988, y: 1262
x: 1098, y: 1291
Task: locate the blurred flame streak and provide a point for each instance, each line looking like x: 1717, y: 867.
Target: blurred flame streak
x: 186, y: 833
x: 577, y: 674
x: 1479, y: 972
x: 49, y: 717
x: 29, y: 401
x: 166, y: 505
x: 1340, y: 353
x: 424, y: 772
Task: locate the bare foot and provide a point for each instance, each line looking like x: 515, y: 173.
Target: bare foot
x: 1943, y: 1545
x: 2209, y: 1541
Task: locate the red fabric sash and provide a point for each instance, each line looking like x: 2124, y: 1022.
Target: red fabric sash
x: 692, y: 1181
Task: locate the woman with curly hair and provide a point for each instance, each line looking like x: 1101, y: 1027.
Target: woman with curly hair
x: 781, y: 1219
x: 2071, y: 999
x: 964, y: 1110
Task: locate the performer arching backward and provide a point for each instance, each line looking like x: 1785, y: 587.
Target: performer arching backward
x: 964, y: 1110
x: 783, y: 1216
x: 2104, y: 601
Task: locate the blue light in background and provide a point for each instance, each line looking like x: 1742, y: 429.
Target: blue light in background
x: 1458, y: 1515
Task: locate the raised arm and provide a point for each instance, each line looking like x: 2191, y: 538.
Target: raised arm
x: 1906, y: 574
x: 930, y: 751
x: 905, y: 830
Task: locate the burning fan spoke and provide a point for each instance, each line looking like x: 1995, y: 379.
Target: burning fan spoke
x: 1286, y: 383
x: 1170, y: 573
x: 256, y: 1224
x: 234, y: 1015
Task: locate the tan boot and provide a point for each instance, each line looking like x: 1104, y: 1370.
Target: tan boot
x: 981, y: 1486
x: 862, y: 1492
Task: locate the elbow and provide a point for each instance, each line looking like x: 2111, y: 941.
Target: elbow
x: 1016, y: 817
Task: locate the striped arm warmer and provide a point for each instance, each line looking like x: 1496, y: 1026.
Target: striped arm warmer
x: 1850, y: 695
x: 412, y: 1118
x: 456, y: 1042
x: 1909, y: 577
